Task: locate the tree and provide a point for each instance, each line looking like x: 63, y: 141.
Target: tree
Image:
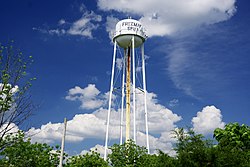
x: 192, y: 150
x: 131, y: 155
x: 22, y: 152
x: 160, y: 159
x: 233, y: 145
x: 15, y: 102
x: 234, y: 136
x: 127, y: 154
x: 92, y: 159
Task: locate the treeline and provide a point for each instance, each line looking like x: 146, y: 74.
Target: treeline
x: 232, y: 149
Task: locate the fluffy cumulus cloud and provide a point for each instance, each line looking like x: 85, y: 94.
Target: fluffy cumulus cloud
x: 161, y: 122
x: 89, y: 97
x: 165, y: 17
x: 82, y: 126
x: 47, y: 133
x: 85, y: 126
x: 160, y: 118
x: 207, y: 120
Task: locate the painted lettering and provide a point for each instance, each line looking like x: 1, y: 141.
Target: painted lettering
x: 131, y: 24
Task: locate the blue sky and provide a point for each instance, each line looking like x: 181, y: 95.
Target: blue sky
x: 197, y: 71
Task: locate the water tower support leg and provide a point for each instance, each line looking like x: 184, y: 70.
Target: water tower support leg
x: 110, y: 99
x: 145, y: 95
x: 63, y: 142
x: 133, y: 60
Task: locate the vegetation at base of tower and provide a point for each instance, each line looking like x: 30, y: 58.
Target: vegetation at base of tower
x: 92, y: 159
x: 192, y: 150
x: 128, y: 153
x: 15, y: 102
x: 21, y: 152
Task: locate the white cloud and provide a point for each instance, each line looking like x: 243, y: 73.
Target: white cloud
x: 97, y: 148
x: 48, y: 133
x: 82, y: 126
x: 160, y: 118
x: 82, y: 8
x: 110, y: 25
x: 119, y: 63
x: 89, y: 97
x: 180, y: 64
x: 85, y: 25
x: 155, y: 143
x: 165, y: 17
x: 161, y: 122
x: 86, y: 126
x: 207, y: 120
x: 57, y: 31
x: 61, y: 22
x: 173, y: 103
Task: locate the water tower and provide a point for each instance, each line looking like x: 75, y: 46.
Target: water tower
x: 129, y: 36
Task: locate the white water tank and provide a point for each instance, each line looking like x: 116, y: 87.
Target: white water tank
x: 126, y: 29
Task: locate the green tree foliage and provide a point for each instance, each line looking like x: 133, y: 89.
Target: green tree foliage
x: 192, y: 150
x: 91, y: 159
x: 234, y: 136
x: 131, y: 155
x: 15, y: 102
x: 160, y: 159
x: 127, y: 154
x: 22, y: 153
x: 233, y: 145
x: 195, y: 151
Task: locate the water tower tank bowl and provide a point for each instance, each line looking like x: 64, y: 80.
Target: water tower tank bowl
x: 126, y: 29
